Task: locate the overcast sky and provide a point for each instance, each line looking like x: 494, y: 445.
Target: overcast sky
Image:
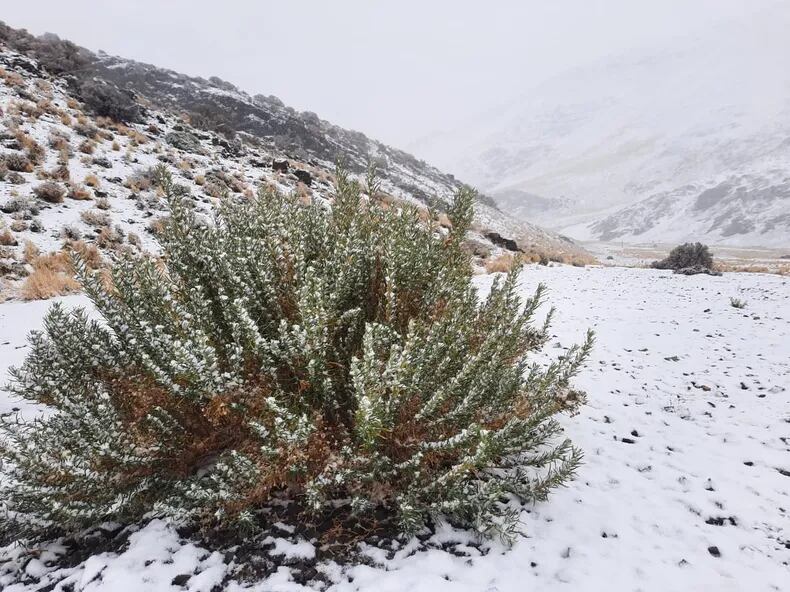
x: 395, y: 70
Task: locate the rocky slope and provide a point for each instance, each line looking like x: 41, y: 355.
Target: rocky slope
x: 222, y: 129
x: 741, y: 210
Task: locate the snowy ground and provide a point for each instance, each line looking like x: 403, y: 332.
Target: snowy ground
x: 686, y: 481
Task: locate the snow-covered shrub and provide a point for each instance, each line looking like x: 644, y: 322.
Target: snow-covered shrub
x: 109, y: 101
x: 686, y: 255
x: 50, y: 191
x: 15, y: 161
x: 337, y: 359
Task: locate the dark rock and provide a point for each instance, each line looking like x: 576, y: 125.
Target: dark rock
x: 503, y: 242
x: 714, y: 550
x: 280, y: 166
x: 304, y: 176
x: 102, y: 162
x: 181, y: 579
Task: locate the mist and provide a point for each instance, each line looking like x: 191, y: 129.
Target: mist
x: 395, y: 71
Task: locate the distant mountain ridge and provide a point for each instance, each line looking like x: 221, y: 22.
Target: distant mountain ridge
x: 713, y: 110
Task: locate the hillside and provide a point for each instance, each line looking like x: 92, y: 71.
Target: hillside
x: 706, y: 116
x: 742, y: 210
x: 218, y: 137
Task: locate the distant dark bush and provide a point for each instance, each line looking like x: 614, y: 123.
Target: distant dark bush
x: 51, y: 192
x: 109, y: 101
x: 686, y: 255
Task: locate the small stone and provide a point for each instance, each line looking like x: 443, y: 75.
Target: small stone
x: 714, y: 550
x: 181, y: 579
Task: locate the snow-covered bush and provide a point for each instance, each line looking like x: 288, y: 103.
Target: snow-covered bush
x: 337, y: 359
x: 685, y: 256
x: 109, y: 101
x: 50, y: 191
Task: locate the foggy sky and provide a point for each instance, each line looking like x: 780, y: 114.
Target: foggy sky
x: 395, y: 70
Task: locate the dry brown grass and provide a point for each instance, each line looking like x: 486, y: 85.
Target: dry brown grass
x: 13, y: 79
x: 18, y: 225
x: 47, y: 106
x: 88, y: 252
x: 502, y: 263
x: 157, y: 225
x: 64, y: 156
x: 78, y: 192
x: 33, y: 150
x: 782, y: 269
x: 30, y: 252
x: 65, y: 118
x: 60, y: 173
x: 304, y: 193
x: 52, y: 275
x: 137, y: 138
x: 87, y: 147
x: 28, y: 109
x: 200, y: 180
x: 7, y: 238
x: 92, y: 180
x: 116, y: 146
x: 95, y: 218
x: 58, y: 141
x: 44, y: 86
x: 20, y: 163
x: 50, y: 192
x: 444, y: 220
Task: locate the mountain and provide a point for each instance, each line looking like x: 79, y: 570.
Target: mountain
x: 738, y: 211
x: 250, y: 131
x: 711, y: 112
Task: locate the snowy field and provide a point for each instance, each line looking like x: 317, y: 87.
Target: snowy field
x: 686, y: 480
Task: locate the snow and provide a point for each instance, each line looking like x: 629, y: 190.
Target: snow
x: 17, y: 319
x: 644, y: 123
x: 685, y: 433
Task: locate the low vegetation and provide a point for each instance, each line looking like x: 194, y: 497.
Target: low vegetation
x: 337, y: 361
x: 688, y: 256
x: 50, y: 191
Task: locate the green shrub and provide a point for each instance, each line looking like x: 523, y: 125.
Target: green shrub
x: 337, y: 359
x: 685, y: 256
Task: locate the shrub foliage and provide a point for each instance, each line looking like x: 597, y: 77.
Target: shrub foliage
x: 686, y: 255
x: 328, y: 357
x: 109, y: 101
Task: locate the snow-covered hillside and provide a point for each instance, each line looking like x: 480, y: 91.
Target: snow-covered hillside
x: 743, y: 210
x: 101, y: 172
x: 685, y: 484
x: 710, y: 110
